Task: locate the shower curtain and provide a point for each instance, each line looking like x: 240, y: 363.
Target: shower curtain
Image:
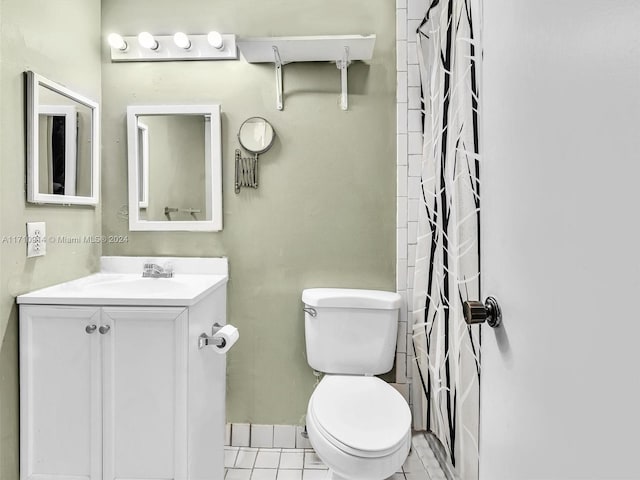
x: 446, y: 374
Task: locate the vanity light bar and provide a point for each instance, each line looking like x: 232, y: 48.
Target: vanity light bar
x: 167, y: 48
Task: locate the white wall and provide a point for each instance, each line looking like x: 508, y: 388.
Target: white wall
x: 409, y: 14
x: 561, y: 210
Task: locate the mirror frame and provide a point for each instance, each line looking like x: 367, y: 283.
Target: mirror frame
x: 143, y: 146
x: 33, y: 165
x: 213, y: 168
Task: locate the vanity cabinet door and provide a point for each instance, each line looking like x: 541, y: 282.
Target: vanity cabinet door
x: 60, y: 388
x: 144, y: 351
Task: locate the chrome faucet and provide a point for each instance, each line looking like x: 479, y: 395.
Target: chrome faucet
x: 153, y: 270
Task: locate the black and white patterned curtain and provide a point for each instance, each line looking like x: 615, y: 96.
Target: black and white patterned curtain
x: 447, y: 358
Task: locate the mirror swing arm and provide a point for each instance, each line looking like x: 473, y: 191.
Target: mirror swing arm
x: 246, y: 174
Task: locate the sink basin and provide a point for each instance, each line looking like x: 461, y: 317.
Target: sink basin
x: 113, y: 287
x: 129, y: 284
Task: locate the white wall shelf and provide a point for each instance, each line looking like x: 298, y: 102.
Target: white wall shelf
x: 341, y: 49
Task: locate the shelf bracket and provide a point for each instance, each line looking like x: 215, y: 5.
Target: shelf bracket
x: 343, y: 65
x: 278, y: 65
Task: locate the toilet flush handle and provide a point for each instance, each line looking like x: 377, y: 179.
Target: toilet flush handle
x: 311, y: 311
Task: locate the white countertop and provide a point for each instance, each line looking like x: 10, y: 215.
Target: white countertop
x: 121, y: 283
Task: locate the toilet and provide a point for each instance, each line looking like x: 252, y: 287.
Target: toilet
x: 359, y: 425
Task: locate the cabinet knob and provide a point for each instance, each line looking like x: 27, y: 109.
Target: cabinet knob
x: 104, y: 329
x: 90, y: 329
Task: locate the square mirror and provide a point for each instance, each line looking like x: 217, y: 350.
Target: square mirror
x: 175, y: 167
x: 63, y: 153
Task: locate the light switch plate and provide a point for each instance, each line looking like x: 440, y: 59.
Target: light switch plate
x: 36, y: 239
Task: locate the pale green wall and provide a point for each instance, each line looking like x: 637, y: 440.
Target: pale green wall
x: 60, y: 40
x: 325, y: 211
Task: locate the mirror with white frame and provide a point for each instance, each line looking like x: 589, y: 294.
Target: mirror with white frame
x: 62, y: 144
x: 175, y: 167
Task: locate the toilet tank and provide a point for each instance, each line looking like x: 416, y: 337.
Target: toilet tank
x: 353, y: 331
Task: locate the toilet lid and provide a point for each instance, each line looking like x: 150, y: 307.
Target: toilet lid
x: 362, y: 413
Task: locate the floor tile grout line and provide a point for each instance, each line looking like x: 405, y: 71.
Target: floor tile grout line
x: 312, y: 455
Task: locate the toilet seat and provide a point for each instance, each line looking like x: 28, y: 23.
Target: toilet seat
x: 361, y: 416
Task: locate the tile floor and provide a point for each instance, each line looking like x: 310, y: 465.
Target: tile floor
x: 244, y: 463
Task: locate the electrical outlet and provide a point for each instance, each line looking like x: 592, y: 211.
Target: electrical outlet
x: 36, y: 239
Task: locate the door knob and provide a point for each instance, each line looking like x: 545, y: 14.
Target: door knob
x: 104, y: 329
x: 477, y: 312
x: 90, y: 329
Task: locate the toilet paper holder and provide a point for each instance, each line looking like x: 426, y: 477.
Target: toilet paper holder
x: 205, y: 340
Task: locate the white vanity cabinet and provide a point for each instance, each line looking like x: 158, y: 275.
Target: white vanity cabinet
x: 121, y: 392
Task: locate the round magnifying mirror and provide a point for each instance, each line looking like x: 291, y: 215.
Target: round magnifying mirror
x: 256, y: 135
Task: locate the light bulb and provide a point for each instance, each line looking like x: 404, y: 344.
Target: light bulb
x: 117, y: 42
x: 182, y: 40
x: 147, y: 41
x: 215, y: 40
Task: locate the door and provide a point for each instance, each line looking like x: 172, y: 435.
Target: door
x: 145, y: 393
x: 560, y: 383
x: 60, y: 406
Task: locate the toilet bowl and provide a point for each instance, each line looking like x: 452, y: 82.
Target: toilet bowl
x: 359, y: 426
